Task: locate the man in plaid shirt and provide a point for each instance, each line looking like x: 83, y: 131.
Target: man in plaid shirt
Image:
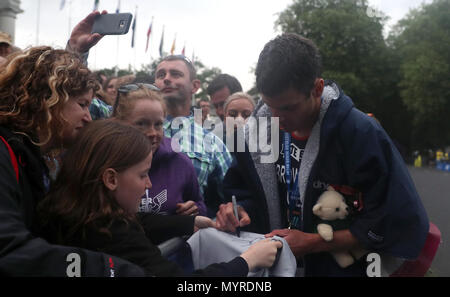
x: 99, y: 109
x: 176, y: 78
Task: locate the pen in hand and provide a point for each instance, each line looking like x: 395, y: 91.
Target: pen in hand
x: 238, y: 228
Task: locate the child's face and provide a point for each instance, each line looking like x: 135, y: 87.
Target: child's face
x: 131, y: 185
x: 148, y: 116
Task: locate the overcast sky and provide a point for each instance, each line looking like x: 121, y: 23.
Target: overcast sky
x: 228, y: 34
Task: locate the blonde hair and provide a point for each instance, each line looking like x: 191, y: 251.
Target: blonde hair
x: 236, y: 96
x: 127, y: 101
x: 34, y: 87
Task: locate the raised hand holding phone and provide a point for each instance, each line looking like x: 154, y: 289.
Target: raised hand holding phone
x: 112, y: 24
x: 82, y: 39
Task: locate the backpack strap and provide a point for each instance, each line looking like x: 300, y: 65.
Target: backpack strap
x: 13, y: 158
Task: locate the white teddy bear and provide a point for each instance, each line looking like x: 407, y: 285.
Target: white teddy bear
x: 333, y: 211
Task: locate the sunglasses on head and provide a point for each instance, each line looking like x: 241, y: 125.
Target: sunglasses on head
x: 134, y: 87
x: 181, y: 57
x: 131, y: 88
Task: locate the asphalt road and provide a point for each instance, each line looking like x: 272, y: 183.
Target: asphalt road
x: 434, y: 189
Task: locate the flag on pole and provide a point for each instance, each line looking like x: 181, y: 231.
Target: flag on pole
x: 173, y: 45
x: 193, y: 57
x: 149, y: 31
x: 96, y: 2
x: 61, y: 6
x: 118, y: 7
x: 133, y: 27
x: 183, y: 51
x: 161, y: 44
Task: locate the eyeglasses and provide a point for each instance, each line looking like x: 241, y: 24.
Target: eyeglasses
x: 131, y: 88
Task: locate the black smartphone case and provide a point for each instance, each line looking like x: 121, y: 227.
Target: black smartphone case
x: 112, y: 24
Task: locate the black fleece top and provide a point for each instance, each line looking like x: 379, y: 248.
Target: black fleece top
x: 22, y: 251
x: 135, y: 241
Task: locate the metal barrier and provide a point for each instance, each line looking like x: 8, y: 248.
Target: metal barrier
x: 171, y: 246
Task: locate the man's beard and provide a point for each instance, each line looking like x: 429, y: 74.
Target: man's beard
x: 174, y: 101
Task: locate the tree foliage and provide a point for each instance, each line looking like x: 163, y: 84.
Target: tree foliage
x: 422, y: 40
x: 351, y: 43
x: 403, y: 80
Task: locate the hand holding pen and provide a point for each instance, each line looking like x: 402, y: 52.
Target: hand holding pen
x: 227, y: 220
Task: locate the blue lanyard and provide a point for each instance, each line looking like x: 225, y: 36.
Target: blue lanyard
x: 292, y: 193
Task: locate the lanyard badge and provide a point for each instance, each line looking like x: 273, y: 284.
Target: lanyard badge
x: 293, y: 194
x: 295, y: 209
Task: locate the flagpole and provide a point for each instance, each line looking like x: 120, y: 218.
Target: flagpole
x: 134, y: 36
x: 117, y: 46
x: 149, y: 33
x: 161, y: 43
x: 151, y: 57
x: 95, y: 57
x: 117, y: 57
x: 70, y: 16
x: 38, y: 21
x: 134, y: 59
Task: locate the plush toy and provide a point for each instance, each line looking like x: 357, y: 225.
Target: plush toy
x: 333, y: 213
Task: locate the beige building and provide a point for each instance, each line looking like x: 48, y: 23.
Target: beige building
x: 8, y: 11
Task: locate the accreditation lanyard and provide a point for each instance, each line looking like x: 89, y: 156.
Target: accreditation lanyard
x: 293, y: 194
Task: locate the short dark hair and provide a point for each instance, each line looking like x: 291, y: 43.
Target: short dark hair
x: 189, y: 64
x: 289, y: 60
x: 224, y: 80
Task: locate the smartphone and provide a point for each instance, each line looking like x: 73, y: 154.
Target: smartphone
x: 112, y: 24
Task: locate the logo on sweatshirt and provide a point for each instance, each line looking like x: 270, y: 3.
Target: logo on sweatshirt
x: 111, y: 267
x: 153, y: 205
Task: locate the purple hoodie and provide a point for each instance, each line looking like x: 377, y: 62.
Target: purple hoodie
x: 174, y: 181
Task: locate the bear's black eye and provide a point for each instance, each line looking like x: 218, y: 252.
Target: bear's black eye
x: 337, y: 209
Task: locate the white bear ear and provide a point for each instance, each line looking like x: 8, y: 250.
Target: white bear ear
x: 330, y: 188
x: 317, y: 207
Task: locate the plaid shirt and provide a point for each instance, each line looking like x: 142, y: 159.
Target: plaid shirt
x: 209, y: 155
x: 99, y: 109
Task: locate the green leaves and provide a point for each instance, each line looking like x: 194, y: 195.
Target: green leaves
x: 423, y: 40
x: 403, y: 79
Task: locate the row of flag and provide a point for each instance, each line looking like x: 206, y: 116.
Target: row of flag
x: 133, y: 28
x: 149, y: 32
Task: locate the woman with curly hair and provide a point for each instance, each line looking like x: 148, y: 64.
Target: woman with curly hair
x: 44, y: 99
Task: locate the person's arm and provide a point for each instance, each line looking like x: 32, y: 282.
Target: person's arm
x: 307, y: 243
x: 193, y: 200
x: 227, y: 221
x: 393, y: 219
x: 23, y: 254
x: 128, y: 241
x: 236, y: 184
x: 160, y: 228
x: 81, y: 39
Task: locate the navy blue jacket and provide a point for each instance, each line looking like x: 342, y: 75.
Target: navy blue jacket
x: 354, y: 151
